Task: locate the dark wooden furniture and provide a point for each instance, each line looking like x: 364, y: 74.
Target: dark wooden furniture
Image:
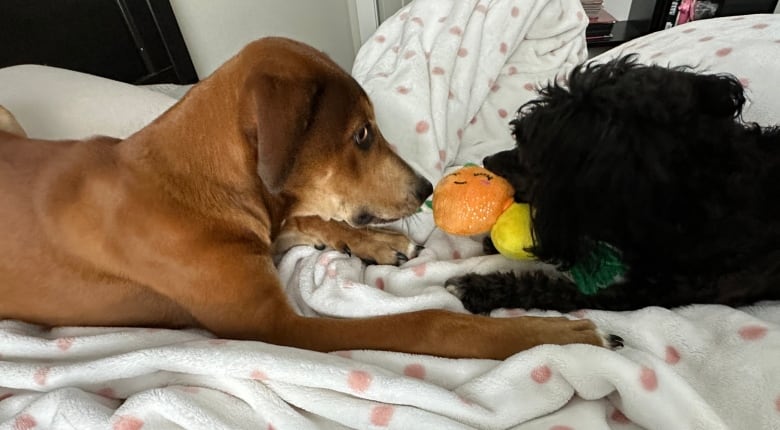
x: 134, y: 41
x: 646, y: 16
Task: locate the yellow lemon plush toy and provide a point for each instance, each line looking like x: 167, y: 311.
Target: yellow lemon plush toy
x: 473, y: 200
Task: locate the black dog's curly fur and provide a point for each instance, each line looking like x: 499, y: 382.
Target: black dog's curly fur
x: 657, y: 163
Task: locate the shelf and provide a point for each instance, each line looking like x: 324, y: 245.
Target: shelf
x: 623, y: 31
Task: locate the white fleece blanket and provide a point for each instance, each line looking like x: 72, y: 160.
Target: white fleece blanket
x: 699, y: 367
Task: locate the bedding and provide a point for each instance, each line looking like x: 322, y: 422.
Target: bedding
x: 473, y: 63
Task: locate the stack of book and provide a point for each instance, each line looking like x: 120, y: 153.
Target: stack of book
x: 600, y: 26
x: 592, y: 7
x: 671, y: 13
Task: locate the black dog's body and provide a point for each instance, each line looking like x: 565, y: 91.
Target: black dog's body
x: 657, y: 163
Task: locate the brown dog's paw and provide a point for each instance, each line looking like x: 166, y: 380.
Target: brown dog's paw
x: 383, y: 247
x: 9, y: 123
x: 565, y: 331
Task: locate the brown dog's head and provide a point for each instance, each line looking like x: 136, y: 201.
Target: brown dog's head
x: 318, y: 144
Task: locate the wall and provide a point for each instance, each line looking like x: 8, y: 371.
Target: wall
x: 215, y: 30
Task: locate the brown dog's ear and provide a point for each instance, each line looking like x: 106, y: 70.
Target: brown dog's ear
x: 280, y: 112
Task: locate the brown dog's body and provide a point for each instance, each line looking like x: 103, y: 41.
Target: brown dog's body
x: 176, y: 225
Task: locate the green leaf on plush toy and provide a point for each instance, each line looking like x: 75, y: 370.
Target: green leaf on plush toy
x: 599, y: 270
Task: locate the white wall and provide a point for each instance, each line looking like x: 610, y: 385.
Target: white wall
x: 215, y: 30
x: 618, y: 8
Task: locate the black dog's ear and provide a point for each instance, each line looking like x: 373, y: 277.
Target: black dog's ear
x: 721, y: 96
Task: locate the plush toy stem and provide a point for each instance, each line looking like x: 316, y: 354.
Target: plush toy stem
x: 599, y: 270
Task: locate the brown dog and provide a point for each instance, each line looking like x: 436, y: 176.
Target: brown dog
x: 176, y: 225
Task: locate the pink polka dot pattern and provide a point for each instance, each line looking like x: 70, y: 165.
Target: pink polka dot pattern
x: 560, y: 427
x: 456, y: 30
x: 380, y: 283
x: 619, y: 417
x: 760, y: 26
x: 107, y: 392
x: 463, y: 52
x: 541, y: 374
x: 473, y: 120
x: 503, y: 113
x: 706, y: 38
x: 128, y: 423
x: 672, y: 355
x: 442, y: 19
x: 40, y: 375
x: 503, y: 48
x: 415, y: 370
x: 456, y: 255
x: 403, y: 16
x: 529, y: 87
x: 437, y: 71
x: 64, y: 343
x: 512, y: 70
x: 344, y: 354
x: 359, y: 381
x: 648, y: 379
x: 745, y: 82
x: 420, y: 269
x: 777, y: 403
x: 258, y: 375
x: 409, y: 54
x: 515, y: 12
x: 460, y: 133
x: 689, y: 30
x: 514, y: 312
x: 752, y: 332
x: 580, y: 15
x: 422, y: 127
x: 402, y: 89
x: 722, y: 52
x: 24, y: 422
x: 380, y: 39
x: 381, y: 415
x: 270, y: 427
x: 218, y: 342
x: 417, y: 20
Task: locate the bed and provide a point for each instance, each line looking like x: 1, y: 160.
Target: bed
x: 445, y: 77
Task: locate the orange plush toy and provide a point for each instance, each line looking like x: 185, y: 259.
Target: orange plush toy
x: 473, y: 200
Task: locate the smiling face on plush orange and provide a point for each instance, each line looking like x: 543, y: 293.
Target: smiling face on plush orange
x: 469, y: 200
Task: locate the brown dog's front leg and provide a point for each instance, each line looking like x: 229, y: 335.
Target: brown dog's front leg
x: 248, y: 302
x: 373, y: 245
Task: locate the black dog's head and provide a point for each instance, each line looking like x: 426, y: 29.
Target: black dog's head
x: 628, y: 154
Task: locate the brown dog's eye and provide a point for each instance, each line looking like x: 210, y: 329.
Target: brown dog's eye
x: 363, y: 137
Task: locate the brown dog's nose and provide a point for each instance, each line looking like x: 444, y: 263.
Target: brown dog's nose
x: 424, y: 189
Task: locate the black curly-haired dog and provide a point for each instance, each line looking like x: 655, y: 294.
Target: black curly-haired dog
x: 655, y: 162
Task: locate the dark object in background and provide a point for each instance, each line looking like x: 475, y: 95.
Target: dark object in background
x: 134, y: 41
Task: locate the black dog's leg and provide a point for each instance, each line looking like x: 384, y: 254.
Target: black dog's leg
x: 481, y: 293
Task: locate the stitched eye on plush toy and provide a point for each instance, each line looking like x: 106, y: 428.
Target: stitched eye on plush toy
x: 364, y: 136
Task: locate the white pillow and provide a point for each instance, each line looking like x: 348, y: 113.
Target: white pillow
x: 55, y: 103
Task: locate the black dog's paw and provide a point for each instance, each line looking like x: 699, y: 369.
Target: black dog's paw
x: 480, y: 294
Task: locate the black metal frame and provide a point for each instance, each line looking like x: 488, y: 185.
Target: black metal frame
x: 136, y: 41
